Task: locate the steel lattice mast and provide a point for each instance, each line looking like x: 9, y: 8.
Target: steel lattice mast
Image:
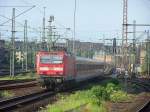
x: 125, y: 34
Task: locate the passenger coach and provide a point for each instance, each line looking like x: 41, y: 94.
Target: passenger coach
x: 58, y: 67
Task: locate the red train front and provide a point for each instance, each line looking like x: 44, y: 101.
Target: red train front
x: 55, y: 67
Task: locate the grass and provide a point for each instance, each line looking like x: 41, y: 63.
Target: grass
x: 20, y: 76
x: 93, y: 99
x: 75, y: 101
x: 6, y: 94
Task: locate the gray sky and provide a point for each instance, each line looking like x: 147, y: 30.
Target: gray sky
x: 93, y: 18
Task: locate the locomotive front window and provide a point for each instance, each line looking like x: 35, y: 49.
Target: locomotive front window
x: 51, y: 59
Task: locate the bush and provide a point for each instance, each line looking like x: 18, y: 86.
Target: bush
x: 99, y: 94
x: 54, y: 109
x: 119, y: 96
x: 114, y: 81
x: 110, y: 88
x: 111, y: 91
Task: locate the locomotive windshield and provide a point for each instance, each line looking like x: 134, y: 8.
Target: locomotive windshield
x: 51, y: 59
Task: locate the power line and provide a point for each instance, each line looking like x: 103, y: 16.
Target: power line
x: 14, y: 6
x: 10, y: 20
x: 19, y: 14
x: 32, y: 4
x: 37, y: 6
x: 18, y: 23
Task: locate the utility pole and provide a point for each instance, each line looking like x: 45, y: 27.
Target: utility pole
x: 43, y: 32
x: 148, y: 53
x: 22, y: 56
x: 34, y: 52
x: 114, y: 51
x: 104, y: 51
x: 40, y: 41
x: 26, y: 46
x: 51, y: 19
x: 12, y: 52
x: 124, y: 41
x: 75, y: 3
x: 134, y: 47
x: 10, y: 69
x: 125, y: 34
x: 0, y: 36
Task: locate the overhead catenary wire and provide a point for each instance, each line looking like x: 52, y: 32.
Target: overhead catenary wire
x: 13, y: 6
x: 37, y: 6
x: 21, y: 25
x: 19, y: 15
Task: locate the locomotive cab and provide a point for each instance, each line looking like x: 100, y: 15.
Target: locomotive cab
x: 55, y: 67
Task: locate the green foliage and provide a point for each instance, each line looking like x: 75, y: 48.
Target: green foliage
x: 20, y: 76
x: 110, y: 88
x: 54, y: 109
x: 6, y: 94
x: 68, y: 103
x: 93, y: 99
x: 99, y: 94
x: 119, y: 96
x: 146, y: 59
x: 93, y: 108
x: 114, y: 81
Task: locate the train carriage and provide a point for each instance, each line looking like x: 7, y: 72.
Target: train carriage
x: 88, y: 68
x: 57, y: 67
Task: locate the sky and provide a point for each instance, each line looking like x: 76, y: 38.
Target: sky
x: 94, y: 18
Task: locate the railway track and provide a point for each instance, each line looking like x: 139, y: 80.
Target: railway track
x: 23, y: 101
x: 145, y: 107
x: 17, y: 102
x: 19, y: 84
x: 5, y: 73
x: 142, y: 84
x: 4, y: 82
x: 146, y: 85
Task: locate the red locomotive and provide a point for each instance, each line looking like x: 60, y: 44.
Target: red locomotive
x: 58, y: 67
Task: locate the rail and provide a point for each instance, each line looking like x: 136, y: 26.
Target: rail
x: 13, y: 103
x: 145, y: 107
x: 18, y: 85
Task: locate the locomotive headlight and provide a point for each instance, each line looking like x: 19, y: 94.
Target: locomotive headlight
x: 44, y: 68
x: 52, y: 68
x: 58, y: 68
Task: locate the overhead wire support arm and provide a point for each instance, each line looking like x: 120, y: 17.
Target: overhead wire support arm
x: 18, y: 15
x: 136, y: 24
x: 14, y: 6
